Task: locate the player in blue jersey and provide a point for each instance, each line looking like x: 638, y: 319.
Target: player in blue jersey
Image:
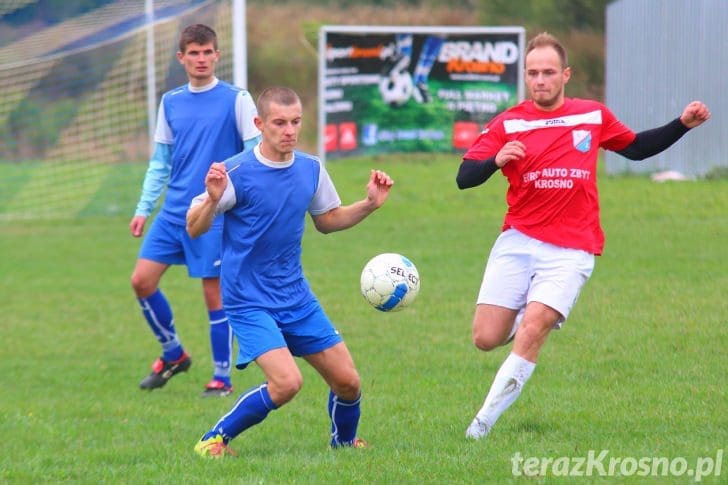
x: 201, y: 122
x: 265, y: 195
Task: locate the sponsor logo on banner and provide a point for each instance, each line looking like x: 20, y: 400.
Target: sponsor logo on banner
x: 464, y: 134
x: 347, y: 136
x: 331, y: 138
x: 369, y: 135
x: 478, y: 57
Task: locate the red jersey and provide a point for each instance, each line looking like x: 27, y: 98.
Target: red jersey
x: 552, y: 194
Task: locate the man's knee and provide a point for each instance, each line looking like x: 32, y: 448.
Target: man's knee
x: 490, y: 334
x: 284, y: 388
x: 492, y: 326
x: 487, y: 340
x: 142, y: 286
x: 347, y: 386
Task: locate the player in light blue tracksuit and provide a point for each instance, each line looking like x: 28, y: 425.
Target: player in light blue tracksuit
x: 204, y: 121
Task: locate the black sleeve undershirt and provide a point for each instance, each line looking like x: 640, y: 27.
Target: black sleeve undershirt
x: 651, y: 142
x: 473, y: 172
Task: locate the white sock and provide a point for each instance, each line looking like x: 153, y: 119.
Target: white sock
x: 506, y: 387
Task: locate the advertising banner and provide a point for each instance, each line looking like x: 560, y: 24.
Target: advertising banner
x: 413, y: 89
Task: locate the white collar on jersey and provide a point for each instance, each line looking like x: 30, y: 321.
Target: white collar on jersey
x: 271, y: 163
x: 202, y: 89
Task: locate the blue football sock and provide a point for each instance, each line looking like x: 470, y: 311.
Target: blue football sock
x: 427, y: 58
x: 344, y: 419
x: 159, y: 316
x: 403, y: 44
x: 221, y: 341
x: 250, y: 409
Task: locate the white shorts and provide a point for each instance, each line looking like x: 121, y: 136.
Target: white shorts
x: 522, y: 269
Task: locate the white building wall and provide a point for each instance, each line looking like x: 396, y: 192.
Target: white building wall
x: 660, y: 55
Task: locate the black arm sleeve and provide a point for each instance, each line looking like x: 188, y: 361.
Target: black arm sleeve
x: 651, y: 142
x: 474, y: 172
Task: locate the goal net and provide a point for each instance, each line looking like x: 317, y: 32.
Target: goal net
x: 74, y: 110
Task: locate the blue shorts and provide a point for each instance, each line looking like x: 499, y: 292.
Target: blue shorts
x: 259, y: 331
x: 169, y: 243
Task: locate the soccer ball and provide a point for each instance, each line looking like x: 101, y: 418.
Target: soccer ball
x: 396, y: 88
x: 390, y: 282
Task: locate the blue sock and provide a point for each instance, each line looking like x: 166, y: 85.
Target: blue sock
x: 344, y: 419
x: 403, y: 44
x: 250, y: 409
x: 427, y: 58
x: 221, y: 341
x: 159, y: 316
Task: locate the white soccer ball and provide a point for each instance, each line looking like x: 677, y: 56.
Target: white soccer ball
x: 390, y: 282
x: 396, y: 88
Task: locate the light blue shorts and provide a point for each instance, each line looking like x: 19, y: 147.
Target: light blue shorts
x: 304, y: 332
x: 169, y: 243
x: 522, y: 269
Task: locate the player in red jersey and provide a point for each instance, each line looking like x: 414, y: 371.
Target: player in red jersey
x: 547, y: 147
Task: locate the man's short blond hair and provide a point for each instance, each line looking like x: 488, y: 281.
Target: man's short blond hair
x: 277, y: 94
x: 544, y: 39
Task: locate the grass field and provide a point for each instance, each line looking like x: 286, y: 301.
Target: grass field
x: 639, y: 370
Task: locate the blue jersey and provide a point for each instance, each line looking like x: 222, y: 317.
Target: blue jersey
x: 265, y: 205
x: 202, y: 127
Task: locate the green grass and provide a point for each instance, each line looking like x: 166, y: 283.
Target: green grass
x: 639, y: 368
x: 66, y: 190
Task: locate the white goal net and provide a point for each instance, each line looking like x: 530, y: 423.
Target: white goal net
x: 74, y: 110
